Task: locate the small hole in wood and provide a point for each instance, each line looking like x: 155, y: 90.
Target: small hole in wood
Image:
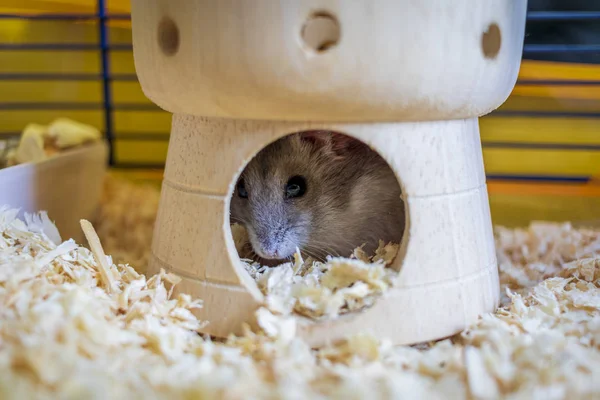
x: 321, y: 32
x: 491, y: 41
x: 168, y: 36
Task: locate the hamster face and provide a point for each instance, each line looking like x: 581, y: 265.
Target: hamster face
x: 290, y: 194
x: 321, y: 192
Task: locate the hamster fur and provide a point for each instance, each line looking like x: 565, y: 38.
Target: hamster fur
x: 323, y: 192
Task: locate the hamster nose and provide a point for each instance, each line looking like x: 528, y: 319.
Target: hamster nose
x: 269, y: 245
x: 268, y: 250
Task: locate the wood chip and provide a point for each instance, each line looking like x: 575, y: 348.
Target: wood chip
x: 65, y: 334
x: 98, y: 251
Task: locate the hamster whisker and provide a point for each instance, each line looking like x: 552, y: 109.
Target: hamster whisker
x: 312, y: 255
x: 362, y: 181
x: 322, y: 248
x: 320, y: 253
x: 306, y: 251
x: 254, y: 257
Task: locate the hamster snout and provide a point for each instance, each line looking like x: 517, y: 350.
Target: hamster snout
x: 322, y: 192
x: 275, y: 215
x: 273, y: 241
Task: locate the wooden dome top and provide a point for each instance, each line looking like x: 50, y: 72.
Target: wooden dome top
x: 325, y: 60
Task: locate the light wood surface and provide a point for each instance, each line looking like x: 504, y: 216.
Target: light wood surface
x: 448, y: 268
x: 409, y: 78
x: 256, y: 59
x: 67, y: 185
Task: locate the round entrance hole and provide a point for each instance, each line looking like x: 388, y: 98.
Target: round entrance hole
x: 320, y: 32
x: 323, y: 193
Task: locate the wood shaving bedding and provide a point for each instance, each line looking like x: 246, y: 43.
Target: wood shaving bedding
x: 323, y: 290
x: 306, y: 287
x: 540, y: 251
x: 62, y: 335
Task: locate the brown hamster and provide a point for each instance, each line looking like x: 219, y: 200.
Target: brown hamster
x: 323, y: 192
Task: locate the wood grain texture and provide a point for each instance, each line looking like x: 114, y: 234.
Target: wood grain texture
x: 447, y: 263
x: 68, y: 186
x: 194, y: 238
x: 207, y: 154
x: 409, y: 78
x: 410, y: 60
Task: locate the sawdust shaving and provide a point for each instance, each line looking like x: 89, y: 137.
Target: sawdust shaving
x: 323, y: 290
x: 529, y: 255
x: 305, y: 287
x: 62, y: 335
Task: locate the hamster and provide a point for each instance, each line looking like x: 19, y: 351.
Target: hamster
x: 321, y: 191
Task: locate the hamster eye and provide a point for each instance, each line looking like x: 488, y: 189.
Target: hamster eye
x: 295, y: 187
x: 241, y: 189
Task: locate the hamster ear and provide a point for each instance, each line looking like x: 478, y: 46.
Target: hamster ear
x: 343, y: 145
x: 338, y: 144
x: 318, y: 138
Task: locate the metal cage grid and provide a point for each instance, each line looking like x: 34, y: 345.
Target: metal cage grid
x: 104, y: 48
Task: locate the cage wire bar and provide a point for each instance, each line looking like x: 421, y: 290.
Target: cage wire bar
x: 104, y: 48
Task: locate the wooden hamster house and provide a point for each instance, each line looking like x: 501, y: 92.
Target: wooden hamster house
x: 408, y: 77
